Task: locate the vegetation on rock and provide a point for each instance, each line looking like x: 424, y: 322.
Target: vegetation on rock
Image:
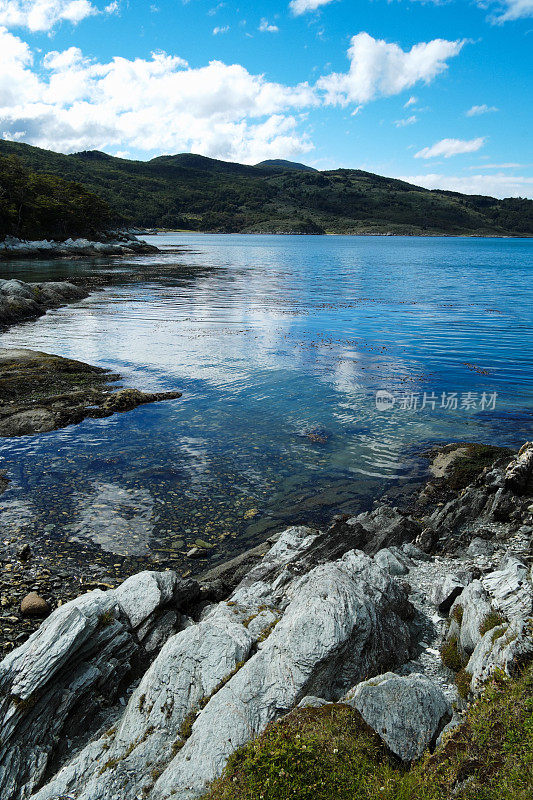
x: 326, y: 753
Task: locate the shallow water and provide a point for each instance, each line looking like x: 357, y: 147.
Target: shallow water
x: 279, y: 345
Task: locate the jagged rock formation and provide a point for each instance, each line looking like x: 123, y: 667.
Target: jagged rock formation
x: 56, y: 685
x: 306, y: 623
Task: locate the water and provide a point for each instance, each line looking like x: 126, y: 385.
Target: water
x: 279, y: 345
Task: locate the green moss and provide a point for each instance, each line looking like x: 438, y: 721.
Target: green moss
x: 498, y: 632
x: 491, y: 620
x: 450, y: 655
x: 330, y: 754
x: 268, y: 630
x: 466, y: 468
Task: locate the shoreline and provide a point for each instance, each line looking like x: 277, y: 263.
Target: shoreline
x: 440, y: 592
x: 60, y: 577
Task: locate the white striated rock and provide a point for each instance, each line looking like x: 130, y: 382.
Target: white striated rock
x: 335, y: 624
x: 475, y: 605
x: 502, y: 648
x: 74, y: 663
x: 510, y: 588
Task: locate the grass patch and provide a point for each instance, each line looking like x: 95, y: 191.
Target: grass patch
x: 450, y: 655
x: 330, y: 754
x: 464, y: 683
x: 457, y: 613
x: 491, y: 620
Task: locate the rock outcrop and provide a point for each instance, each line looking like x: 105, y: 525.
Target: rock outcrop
x: 20, y: 301
x: 40, y: 392
x: 285, y: 633
x: 119, y: 244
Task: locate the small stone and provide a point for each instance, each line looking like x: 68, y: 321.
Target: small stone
x: 33, y: 605
x: 24, y: 552
x: 197, y: 552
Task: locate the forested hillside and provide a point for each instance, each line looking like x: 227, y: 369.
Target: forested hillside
x: 195, y: 193
x: 34, y: 205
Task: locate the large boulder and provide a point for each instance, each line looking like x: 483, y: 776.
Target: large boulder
x: 408, y: 713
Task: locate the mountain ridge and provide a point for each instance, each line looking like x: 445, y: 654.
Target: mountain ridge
x: 192, y: 192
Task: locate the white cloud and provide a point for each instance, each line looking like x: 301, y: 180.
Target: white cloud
x: 43, y: 15
x: 112, y: 8
x: 220, y: 29
x: 451, y: 147
x: 266, y: 27
x: 402, y: 123
x: 499, y: 185
x: 476, y: 111
x: 304, y: 6
x: 411, y: 102
x: 508, y: 10
x: 219, y: 110
x: 508, y: 165
x: 382, y: 68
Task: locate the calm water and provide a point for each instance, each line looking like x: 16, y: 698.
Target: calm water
x: 279, y: 345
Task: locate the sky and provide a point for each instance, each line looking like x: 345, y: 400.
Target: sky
x: 437, y: 92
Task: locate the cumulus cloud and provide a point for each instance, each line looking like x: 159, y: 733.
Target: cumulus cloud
x: 499, y: 185
x: 220, y: 110
x: 220, y: 29
x: 476, y: 111
x: 43, y: 15
x: 380, y: 68
x: 304, y: 6
x: 266, y: 27
x: 451, y: 147
x: 411, y: 102
x: 65, y: 101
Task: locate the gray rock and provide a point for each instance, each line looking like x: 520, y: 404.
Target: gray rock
x: 408, y: 713
x: 480, y: 547
x: 414, y: 552
x: 383, y: 527
x: 446, y: 591
x: 504, y: 648
x: 474, y: 604
x: 390, y: 563
x: 74, y: 664
x: 312, y: 702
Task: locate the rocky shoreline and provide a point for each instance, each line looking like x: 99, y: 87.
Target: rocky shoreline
x: 40, y: 392
x: 115, y: 244
x: 145, y: 690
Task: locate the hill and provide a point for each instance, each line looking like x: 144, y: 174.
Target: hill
x: 193, y: 192
x: 280, y: 163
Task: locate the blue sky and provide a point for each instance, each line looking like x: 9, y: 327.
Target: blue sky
x: 436, y: 92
